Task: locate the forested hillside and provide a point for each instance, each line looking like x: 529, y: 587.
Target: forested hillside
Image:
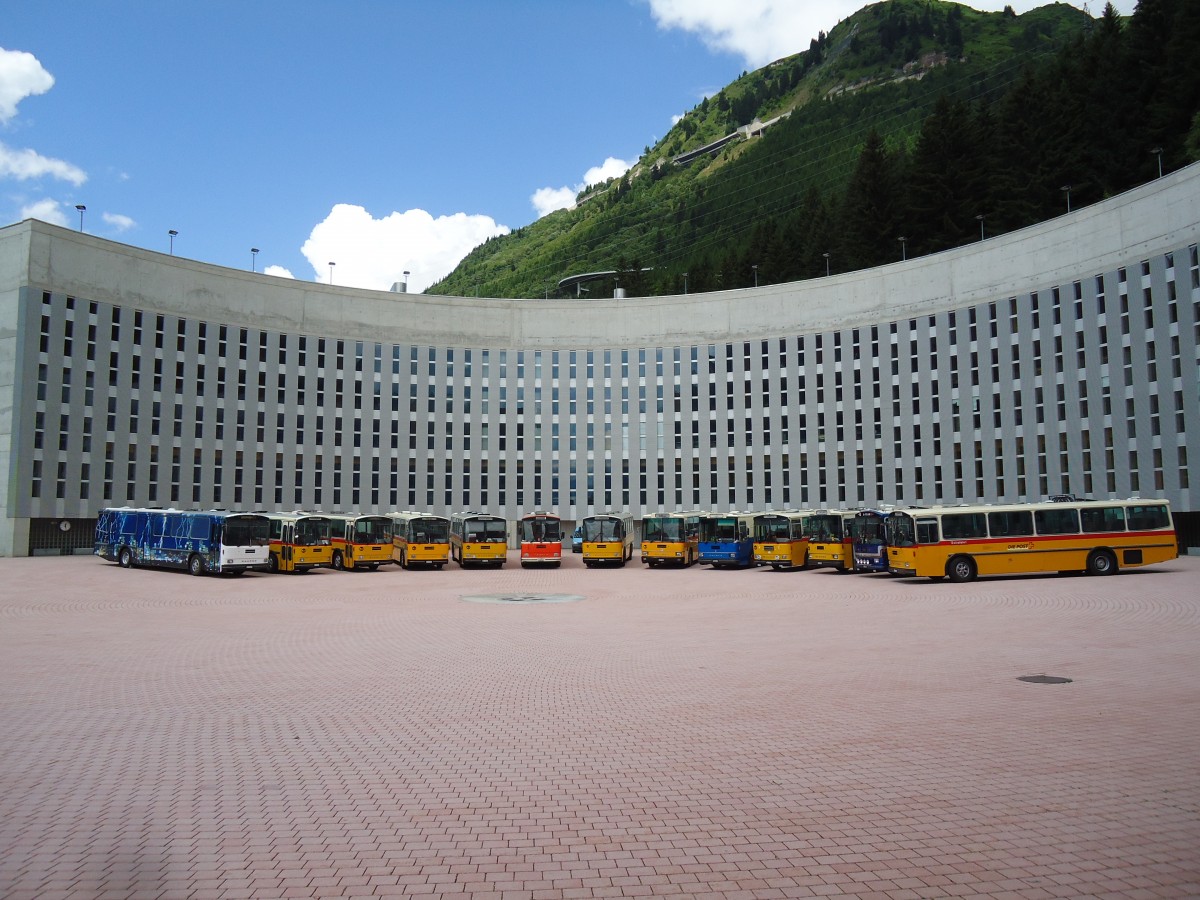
x: 908, y: 129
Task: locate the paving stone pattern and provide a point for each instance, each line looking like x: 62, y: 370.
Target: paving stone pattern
x: 695, y: 733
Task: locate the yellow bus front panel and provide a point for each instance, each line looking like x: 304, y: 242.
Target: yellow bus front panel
x: 674, y: 552
x: 782, y: 555
x: 484, y: 554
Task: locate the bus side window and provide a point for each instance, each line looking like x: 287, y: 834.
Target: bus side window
x: 1057, y: 521
x: 927, y: 531
x: 1144, y: 518
x: 1105, y: 518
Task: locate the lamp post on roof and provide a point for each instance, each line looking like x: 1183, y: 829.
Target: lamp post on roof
x: 331, y: 265
x: 685, y: 286
x: 81, y: 208
x: 980, y: 218
x: 903, y: 247
x: 253, y: 259
x: 826, y: 255
x: 171, y: 237
x: 1066, y: 189
x: 1157, y: 151
x: 755, y: 268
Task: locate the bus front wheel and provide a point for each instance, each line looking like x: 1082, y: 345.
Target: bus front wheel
x: 273, y: 564
x: 1101, y: 562
x: 195, y: 565
x: 961, y: 569
x: 339, y: 561
x: 125, y: 558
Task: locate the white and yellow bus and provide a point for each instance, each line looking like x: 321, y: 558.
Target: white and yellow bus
x: 420, y: 539
x: 607, y: 538
x: 671, y: 538
x: 361, y: 542
x: 478, y: 539
x: 830, y: 542
x: 300, y: 541
x: 781, y: 539
x: 1094, y: 536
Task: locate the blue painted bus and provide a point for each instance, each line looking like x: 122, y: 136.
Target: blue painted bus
x: 869, y: 534
x: 727, y: 539
x: 208, y: 542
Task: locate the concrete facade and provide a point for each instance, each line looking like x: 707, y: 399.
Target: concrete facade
x: 1059, y: 358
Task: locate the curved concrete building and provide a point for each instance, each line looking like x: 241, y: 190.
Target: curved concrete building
x: 1061, y: 358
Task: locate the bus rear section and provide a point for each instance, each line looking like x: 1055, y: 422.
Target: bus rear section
x: 361, y: 542
x: 541, y: 540
x: 829, y: 541
x: 607, y: 539
x: 727, y: 540
x: 478, y: 539
x: 420, y: 540
x: 671, y: 539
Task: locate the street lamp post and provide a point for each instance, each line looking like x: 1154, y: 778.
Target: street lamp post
x: 331, y: 265
x: 826, y: 255
x: 253, y: 259
x: 755, y: 268
x: 171, y: 237
x: 81, y: 208
x: 685, y: 283
x: 980, y: 218
x: 1066, y: 189
x: 1157, y: 151
x: 903, y: 247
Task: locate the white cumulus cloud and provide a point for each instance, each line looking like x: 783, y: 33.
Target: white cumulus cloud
x: 546, y: 200
x: 279, y: 272
x: 21, y: 76
x: 375, y: 253
x: 117, y: 221
x: 26, y: 164
x: 46, y: 210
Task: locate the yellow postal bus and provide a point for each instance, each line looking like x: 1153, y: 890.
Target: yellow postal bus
x: 671, y: 538
x: 1094, y: 536
x: 361, y: 542
x: 830, y: 542
x: 607, y: 538
x: 420, y: 539
x: 300, y: 541
x: 781, y: 540
x: 478, y: 539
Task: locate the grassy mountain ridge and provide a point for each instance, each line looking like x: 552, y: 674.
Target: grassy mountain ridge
x: 901, y: 119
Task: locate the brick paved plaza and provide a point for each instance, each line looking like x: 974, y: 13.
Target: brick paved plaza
x: 689, y: 733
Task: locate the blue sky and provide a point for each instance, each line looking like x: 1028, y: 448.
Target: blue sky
x: 381, y: 136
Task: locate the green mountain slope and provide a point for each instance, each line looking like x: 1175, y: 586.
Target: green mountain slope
x: 911, y: 118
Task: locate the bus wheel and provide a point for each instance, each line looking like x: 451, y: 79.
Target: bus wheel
x: 125, y: 558
x: 273, y: 564
x: 961, y: 569
x: 195, y: 565
x: 338, y: 562
x: 1101, y: 562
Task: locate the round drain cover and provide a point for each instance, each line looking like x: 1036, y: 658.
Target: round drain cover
x: 1044, y: 679
x: 521, y: 598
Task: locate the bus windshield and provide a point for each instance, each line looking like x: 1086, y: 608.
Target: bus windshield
x: 602, y: 530
x: 429, y: 531
x: 867, y: 528
x: 247, y: 531
x: 372, y: 530
x: 540, y: 530
x: 825, y: 529
x: 900, y: 531
x: 485, y: 531
x: 312, y: 532
x: 663, y: 528
x: 772, y: 528
x: 724, y: 529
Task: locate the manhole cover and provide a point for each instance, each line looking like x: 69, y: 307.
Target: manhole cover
x: 1044, y: 679
x: 519, y: 598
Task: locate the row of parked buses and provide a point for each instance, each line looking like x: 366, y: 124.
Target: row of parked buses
x: 955, y: 542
